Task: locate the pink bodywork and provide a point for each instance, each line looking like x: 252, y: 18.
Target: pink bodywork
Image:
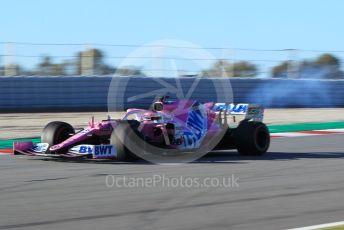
x: 177, y: 113
x: 22, y: 146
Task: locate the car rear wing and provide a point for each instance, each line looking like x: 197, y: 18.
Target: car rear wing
x: 233, y: 113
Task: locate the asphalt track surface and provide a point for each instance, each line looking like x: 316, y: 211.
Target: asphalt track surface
x: 299, y: 183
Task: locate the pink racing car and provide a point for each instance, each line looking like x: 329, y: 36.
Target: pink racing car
x: 169, y: 128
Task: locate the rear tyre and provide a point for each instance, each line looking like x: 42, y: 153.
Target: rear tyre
x: 124, y: 137
x: 252, y: 138
x: 56, y: 132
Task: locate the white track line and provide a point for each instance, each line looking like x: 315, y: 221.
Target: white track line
x: 302, y: 134
x: 334, y: 224
x: 293, y: 134
x: 332, y: 130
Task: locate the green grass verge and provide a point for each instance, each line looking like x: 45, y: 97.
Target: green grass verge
x: 8, y: 144
x: 305, y: 127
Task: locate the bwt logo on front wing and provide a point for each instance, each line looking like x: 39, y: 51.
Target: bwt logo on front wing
x: 97, y: 151
x: 103, y: 150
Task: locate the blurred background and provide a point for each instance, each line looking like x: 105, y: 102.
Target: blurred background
x: 62, y: 55
x: 247, y: 39
x: 24, y: 58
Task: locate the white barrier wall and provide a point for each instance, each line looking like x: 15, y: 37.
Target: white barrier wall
x: 79, y: 93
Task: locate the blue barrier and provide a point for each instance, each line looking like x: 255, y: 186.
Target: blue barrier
x: 77, y: 93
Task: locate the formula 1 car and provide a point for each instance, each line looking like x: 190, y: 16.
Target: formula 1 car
x: 168, y: 128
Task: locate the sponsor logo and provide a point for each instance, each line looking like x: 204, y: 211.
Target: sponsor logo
x: 235, y: 109
x: 98, y: 151
x: 104, y: 151
x: 40, y: 147
x: 83, y: 149
x: 240, y: 108
x: 196, y: 124
x: 189, y: 140
x: 86, y: 149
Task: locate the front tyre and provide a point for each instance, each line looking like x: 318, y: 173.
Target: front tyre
x: 56, y: 132
x: 124, y: 137
x: 252, y: 138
